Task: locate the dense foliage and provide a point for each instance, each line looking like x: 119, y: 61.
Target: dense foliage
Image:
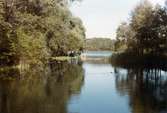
x: 145, y: 32
x: 99, y: 44
x: 35, y: 30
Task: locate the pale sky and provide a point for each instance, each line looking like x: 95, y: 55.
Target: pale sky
x: 102, y: 17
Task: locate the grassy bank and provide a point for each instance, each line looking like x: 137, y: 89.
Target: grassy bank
x: 25, y: 65
x: 63, y: 58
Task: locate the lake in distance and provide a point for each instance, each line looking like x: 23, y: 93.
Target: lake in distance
x: 91, y: 86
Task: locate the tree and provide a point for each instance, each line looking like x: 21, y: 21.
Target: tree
x: 35, y: 30
x: 159, y: 30
x: 141, y: 21
x: 146, y: 32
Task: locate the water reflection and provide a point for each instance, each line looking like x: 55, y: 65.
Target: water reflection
x: 146, y: 88
x: 92, y: 87
x: 40, y: 91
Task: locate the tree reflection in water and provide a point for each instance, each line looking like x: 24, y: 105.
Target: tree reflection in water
x: 40, y: 91
x: 146, y: 88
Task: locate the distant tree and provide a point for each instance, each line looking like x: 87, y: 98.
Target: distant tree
x: 100, y: 44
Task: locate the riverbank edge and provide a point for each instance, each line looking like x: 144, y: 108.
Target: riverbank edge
x: 63, y: 58
x: 25, y: 66
x: 134, y: 60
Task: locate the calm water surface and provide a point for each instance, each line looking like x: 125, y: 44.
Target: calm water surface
x: 98, y: 53
x: 87, y: 87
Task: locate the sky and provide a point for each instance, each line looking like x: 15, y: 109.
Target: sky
x: 102, y: 17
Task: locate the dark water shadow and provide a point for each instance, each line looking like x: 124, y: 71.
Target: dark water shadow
x: 35, y: 90
x: 145, y: 84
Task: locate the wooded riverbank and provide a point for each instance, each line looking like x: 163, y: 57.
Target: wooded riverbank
x: 33, y: 31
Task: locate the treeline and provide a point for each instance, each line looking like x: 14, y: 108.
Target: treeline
x: 32, y: 31
x: 99, y: 44
x: 145, y: 32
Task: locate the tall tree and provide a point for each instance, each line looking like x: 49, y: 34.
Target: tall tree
x: 34, y: 30
x: 141, y: 21
x: 146, y: 32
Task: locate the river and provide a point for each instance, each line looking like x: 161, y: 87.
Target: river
x: 91, y: 86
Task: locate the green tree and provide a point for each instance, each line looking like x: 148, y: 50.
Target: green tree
x: 146, y: 32
x: 34, y: 30
x: 141, y: 21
